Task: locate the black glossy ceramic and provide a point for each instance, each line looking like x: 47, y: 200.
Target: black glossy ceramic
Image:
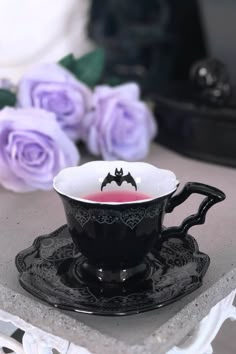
x: 52, y: 270
x: 197, y: 117
x: 116, y: 238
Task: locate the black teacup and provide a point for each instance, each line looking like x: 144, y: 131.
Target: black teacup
x: 115, y: 212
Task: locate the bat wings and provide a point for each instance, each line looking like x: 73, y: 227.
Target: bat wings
x: 119, y: 178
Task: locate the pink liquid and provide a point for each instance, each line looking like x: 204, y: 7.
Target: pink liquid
x: 116, y: 196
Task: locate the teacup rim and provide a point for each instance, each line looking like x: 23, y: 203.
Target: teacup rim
x: 87, y: 201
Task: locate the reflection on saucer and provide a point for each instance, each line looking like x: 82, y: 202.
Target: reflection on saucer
x: 50, y: 270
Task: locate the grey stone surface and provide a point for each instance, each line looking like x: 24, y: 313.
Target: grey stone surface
x: 25, y: 216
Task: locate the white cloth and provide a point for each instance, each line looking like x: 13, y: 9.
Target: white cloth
x: 40, y: 31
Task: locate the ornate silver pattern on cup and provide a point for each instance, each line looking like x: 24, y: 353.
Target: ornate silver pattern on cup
x: 130, y: 217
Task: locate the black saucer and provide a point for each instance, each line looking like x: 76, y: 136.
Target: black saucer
x: 50, y: 270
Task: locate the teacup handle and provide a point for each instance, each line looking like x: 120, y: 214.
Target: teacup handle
x: 213, y: 196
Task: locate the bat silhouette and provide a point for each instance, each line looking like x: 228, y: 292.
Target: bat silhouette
x: 119, y: 179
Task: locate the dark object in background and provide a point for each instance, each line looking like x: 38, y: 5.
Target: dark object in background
x: 149, y: 41
x: 211, y: 82
x: 193, y: 122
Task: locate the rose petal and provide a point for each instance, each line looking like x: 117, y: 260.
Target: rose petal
x: 121, y: 125
x: 20, y: 128
x: 128, y: 91
x: 47, y: 86
x: 49, y: 73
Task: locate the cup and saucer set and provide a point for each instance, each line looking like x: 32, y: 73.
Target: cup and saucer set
x: 114, y: 256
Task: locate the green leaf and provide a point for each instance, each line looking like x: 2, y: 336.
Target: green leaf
x: 7, y: 98
x: 89, y: 68
x: 68, y: 62
x: 112, y: 81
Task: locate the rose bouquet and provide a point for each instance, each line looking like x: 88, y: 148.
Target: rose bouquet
x: 53, y: 107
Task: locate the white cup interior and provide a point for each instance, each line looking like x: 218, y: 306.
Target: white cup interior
x: 77, y: 182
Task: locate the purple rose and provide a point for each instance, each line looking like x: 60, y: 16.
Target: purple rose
x: 120, y: 125
x: 53, y: 88
x: 33, y: 149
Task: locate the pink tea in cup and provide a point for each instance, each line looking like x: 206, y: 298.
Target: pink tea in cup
x: 116, y: 196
